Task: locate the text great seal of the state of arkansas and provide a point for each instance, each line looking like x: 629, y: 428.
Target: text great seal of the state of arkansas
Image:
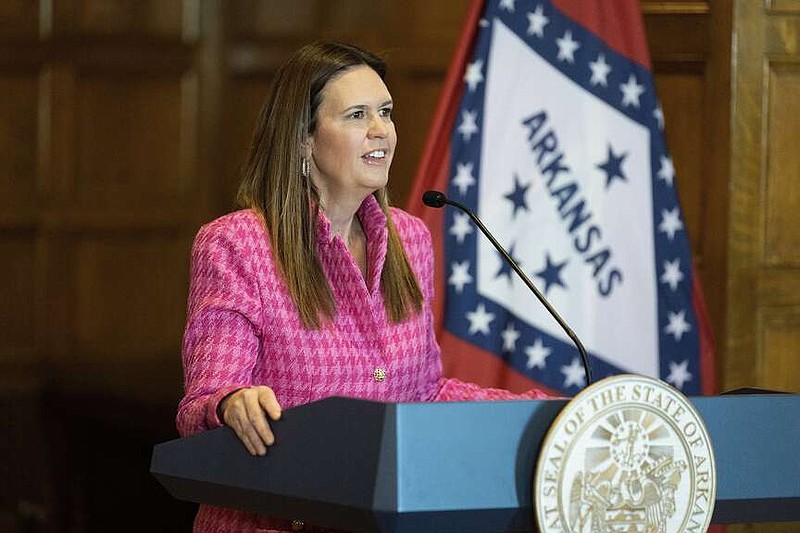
x: 629, y: 453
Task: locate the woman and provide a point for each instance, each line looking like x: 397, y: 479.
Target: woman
x: 317, y: 288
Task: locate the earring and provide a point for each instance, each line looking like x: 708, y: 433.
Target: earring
x: 305, y: 169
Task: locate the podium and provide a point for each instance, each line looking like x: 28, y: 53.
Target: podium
x: 464, y: 466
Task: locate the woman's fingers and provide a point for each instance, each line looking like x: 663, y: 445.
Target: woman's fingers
x: 268, y: 401
x: 252, y: 447
x: 258, y: 429
x: 244, y: 430
x: 246, y: 412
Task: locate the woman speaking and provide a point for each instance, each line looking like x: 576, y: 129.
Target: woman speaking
x: 316, y: 287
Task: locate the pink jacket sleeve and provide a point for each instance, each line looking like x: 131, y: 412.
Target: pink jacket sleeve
x: 220, y: 343
x: 453, y: 390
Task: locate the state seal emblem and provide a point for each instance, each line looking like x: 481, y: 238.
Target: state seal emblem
x: 628, y: 454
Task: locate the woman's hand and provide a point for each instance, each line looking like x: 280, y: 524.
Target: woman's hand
x: 244, y: 411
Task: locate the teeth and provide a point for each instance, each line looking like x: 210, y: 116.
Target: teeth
x: 377, y: 153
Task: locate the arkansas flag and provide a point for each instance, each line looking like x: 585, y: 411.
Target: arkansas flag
x: 549, y: 128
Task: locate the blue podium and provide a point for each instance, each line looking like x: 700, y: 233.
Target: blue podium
x: 368, y: 466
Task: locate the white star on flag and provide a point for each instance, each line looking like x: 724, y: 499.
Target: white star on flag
x: 670, y: 222
x: 631, y: 91
x: 510, y: 337
x: 537, y: 354
x: 537, y: 21
x: 508, y: 5
x: 459, y: 275
x: 677, y: 325
x: 461, y: 227
x: 679, y: 373
x: 463, y: 179
x: 469, y: 124
x: 567, y: 47
x: 667, y: 170
x: 672, y: 273
x: 659, y: 116
x: 473, y: 76
x: 479, y: 320
x: 600, y: 71
x: 573, y: 374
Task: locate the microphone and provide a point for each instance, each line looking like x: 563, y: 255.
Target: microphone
x: 438, y: 199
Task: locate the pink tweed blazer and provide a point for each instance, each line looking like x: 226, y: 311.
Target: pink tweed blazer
x: 243, y: 329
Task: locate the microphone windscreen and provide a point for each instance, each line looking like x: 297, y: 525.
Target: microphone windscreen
x: 434, y: 198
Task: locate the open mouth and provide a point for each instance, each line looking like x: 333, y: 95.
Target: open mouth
x: 375, y: 156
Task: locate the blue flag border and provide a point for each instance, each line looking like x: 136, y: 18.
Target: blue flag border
x: 686, y: 348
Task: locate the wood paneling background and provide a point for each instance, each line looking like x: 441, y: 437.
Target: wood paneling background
x: 122, y: 127
x: 765, y: 192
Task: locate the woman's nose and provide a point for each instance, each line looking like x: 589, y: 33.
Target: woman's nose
x: 377, y: 127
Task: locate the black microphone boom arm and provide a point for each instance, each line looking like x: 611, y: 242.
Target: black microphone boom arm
x: 438, y: 199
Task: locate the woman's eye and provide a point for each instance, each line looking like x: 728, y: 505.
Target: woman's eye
x: 386, y: 112
x: 357, y: 114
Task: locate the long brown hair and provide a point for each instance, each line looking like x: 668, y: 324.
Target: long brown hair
x: 272, y: 185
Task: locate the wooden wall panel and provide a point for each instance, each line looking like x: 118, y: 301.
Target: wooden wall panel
x: 763, y: 334
x: 273, y: 18
x: 57, y: 138
x: 779, y: 338
x: 415, y: 98
x: 783, y: 6
x: 783, y: 36
x: 358, y: 16
x: 25, y: 467
x: 374, y: 23
x: 19, y: 18
x: 99, y: 135
x: 18, y: 138
x: 782, y: 218
x: 245, y: 96
x: 763, y: 264
x: 121, y: 17
x: 18, y: 293
x: 416, y: 20
x: 129, y: 294
x: 130, y: 134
